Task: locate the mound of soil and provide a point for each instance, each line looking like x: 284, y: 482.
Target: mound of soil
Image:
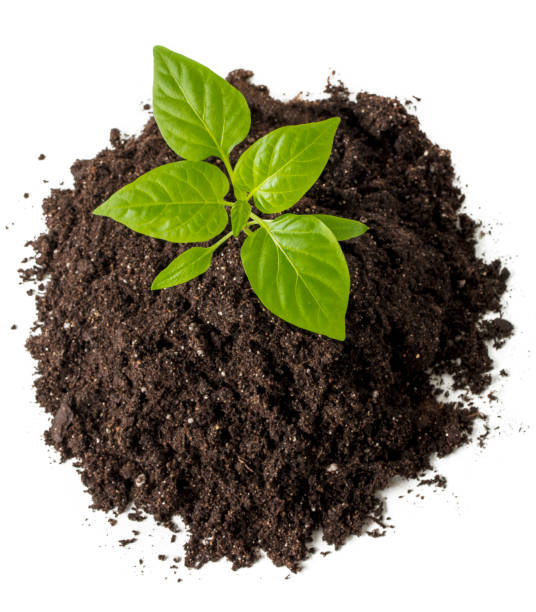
x: 196, y: 401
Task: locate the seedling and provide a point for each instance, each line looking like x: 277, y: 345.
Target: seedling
x: 294, y: 262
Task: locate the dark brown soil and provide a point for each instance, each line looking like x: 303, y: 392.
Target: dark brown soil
x: 195, y: 401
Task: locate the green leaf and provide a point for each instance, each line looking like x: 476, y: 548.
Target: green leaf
x: 179, y: 202
x: 240, y: 213
x: 282, y: 166
x: 343, y: 229
x: 199, y: 113
x: 297, y: 269
x: 187, y: 265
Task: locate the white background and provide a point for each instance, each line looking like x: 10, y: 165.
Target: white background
x: 70, y: 71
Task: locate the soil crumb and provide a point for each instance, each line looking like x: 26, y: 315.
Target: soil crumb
x: 136, y: 516
x: 133, y: 379
x: 437, y: 481
x: 127, y: 542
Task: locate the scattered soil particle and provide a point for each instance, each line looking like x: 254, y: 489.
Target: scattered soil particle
x: 136, y: 516
x: 171, y: 526
x: 377, y: 521
x: 162, y: 557
x: 62, y: 419
x: 127, y: 541
x: 41, y: 157
x: 146, y: 106
x: 173, y: 539
x: 112, y: 521
x: 133, y: 382
x: 482, y: 438
x: 14, y: 326
x: 437, y: 481
x: 26, y: 196
x: 497, y: 331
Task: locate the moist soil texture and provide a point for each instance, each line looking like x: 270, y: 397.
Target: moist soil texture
x: 197, y: 402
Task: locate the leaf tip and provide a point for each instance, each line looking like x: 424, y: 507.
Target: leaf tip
x: 335, y: 121
x: 339, y: 337
x: 338, y: 331
x: 155, y: 286
x: 100, y: 211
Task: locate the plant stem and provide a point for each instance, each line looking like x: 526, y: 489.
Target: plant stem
x: 257, y: 219
x: 228, y: 167
x: 230, y: 172
x: 221, y: 241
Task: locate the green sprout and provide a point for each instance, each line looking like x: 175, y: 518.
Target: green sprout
x: 294, y: 263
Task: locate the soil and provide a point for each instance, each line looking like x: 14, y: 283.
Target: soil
x: 127, y: 542
x: 197, y: 402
